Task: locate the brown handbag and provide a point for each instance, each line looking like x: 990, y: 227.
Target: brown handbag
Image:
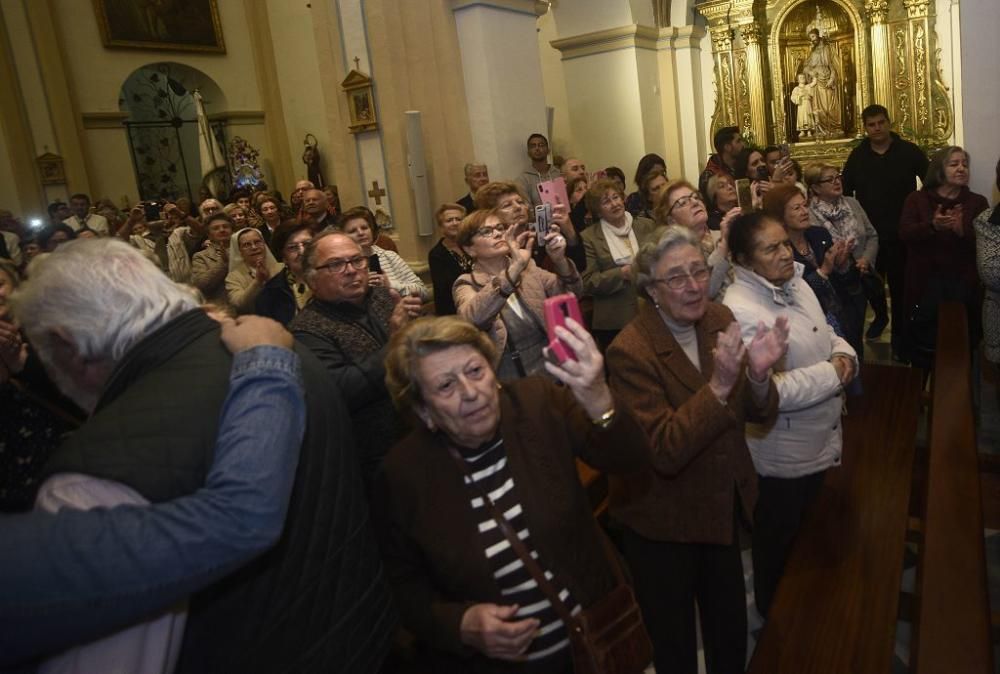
x: 608, y: 637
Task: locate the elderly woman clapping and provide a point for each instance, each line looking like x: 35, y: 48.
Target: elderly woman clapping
x: 251, y: 266
x: 682, y: 368
x: 459, y: 585
x: 792, y: 454
x: 505, y: 292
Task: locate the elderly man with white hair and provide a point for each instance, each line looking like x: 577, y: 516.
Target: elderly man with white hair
x: 137, y: 353
x: 476, y: 175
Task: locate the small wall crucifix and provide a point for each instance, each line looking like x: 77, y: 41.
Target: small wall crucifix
x: 376, y: 193
x: 357, y: 64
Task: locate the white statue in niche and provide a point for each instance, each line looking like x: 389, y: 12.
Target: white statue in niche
x: 821, y: 68
x: 805, y: 116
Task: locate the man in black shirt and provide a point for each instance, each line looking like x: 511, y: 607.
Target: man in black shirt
x: 880, y: 173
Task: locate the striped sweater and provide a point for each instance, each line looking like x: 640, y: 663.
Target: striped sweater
x: 488, y: 470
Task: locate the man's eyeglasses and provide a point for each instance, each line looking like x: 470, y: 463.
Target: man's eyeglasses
x: 831, y: 179
x: 679, y: 281
x: 339, y: 266
x: 295, y: 247
x: 491, y: 231
x: 684, y: 201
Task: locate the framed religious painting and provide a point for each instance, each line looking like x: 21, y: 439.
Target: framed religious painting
x: 360, y: 102
x: 191, y: 25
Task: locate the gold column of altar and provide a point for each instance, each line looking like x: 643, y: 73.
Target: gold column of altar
x: 801, y: 71
x: 877, y: 12
x: 752, y: 37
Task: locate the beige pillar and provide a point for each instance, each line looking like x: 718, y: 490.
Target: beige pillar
x: 877, y: 11
x: 266, y: 71
x: 726, y: 112
x: 502, y: 71
x: 757, y: 74
x: 683, y: 111
x: 67, y: 123
x: 17, y: 136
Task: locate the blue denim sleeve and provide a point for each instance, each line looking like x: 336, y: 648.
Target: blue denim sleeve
x: 76, y: 575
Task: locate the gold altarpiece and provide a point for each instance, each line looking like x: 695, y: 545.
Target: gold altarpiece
x: 857, y: 52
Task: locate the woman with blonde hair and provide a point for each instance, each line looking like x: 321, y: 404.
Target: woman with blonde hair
x: 683, y: 205
x: 446, y: 259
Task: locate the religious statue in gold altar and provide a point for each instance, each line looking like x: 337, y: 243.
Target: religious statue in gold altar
x: 801, y: 71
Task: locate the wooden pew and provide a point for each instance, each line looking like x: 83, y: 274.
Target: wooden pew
x: 953, y: 625
x: 835, y: 608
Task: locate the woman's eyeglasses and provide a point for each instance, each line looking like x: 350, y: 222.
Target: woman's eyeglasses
x: 491, y: 231
x: 679, y: 281
x: 684, y: 201
x: 831, y: 179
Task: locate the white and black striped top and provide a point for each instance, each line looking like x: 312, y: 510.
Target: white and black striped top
x: 488, y: 469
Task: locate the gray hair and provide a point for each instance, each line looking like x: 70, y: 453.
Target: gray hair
x: 309, y: 256
x: 201, y: 206
x: 471, y: 166
x: 103, y: 295
x: 650, y: 254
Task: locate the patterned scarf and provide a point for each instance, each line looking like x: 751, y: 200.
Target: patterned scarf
x: 837, y: 217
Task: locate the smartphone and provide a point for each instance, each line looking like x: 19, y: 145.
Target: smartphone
x: 743, y: 196
x: 374, y: 266
x: 151, y: 209
x: 762, y: 173
x: 557, y: 310
x: 543, y: 218
x: 553, y: 192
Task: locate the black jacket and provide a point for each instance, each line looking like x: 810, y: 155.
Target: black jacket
x: 445, y: 270
x: 881, y: 182
x: 275, y: 300
x: 318, y: 600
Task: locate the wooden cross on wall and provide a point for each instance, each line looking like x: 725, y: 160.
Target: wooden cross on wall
x: 376, y: 193
x: 357, y: 64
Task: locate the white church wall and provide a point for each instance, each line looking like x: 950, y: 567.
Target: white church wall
x: 554, y: 83
x: 980, y: 26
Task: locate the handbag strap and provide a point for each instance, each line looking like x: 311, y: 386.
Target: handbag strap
x: 517, y: 544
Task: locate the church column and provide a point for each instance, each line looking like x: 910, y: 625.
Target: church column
x: 920, y: 12
x: 683, y: 112
x: 877, y: 11
x: 498, y: 42
x: 17, y: 139
x: 611, y: 78
x: 266, y: 71
x: 726, y: 112
x: 756, y: 73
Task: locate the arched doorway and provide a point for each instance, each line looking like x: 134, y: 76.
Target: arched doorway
x: 162, y: 128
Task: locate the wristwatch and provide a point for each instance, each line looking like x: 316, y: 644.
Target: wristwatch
x: 605, y: 420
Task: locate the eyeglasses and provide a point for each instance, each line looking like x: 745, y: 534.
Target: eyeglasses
x: 256, y: 243
x: 684, y: 201
x: 491, y: 231
x: 339, y: 266
x: 680, y: 281
x: 293, y: 247
x: 831, y: 179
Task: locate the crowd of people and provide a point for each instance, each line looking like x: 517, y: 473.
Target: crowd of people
x: 278, y: 450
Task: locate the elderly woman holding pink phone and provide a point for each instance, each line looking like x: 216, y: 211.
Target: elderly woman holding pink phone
x: 483, y: 449
x: 504, y: 294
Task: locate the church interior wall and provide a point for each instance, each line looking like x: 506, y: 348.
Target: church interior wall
x: 980, y: 26
x: 554, y: 81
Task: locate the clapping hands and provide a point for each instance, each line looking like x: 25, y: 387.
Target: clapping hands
x: 728, y: 353
x: 767, y: 347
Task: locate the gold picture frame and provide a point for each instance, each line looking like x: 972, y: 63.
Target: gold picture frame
x: 51, y: 169
x: 360, y: 102
x: 125, y: 24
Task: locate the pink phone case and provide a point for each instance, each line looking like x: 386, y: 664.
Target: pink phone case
x: 554, y: 192
x: 557, y: 309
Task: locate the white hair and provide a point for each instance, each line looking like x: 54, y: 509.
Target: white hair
x: 102, y: 295
x: 211, y: 200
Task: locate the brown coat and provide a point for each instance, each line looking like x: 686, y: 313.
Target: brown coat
x: 700, y: 457
x: 431, y: 547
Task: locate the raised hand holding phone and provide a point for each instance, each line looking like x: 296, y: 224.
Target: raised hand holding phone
x: 584, y: 375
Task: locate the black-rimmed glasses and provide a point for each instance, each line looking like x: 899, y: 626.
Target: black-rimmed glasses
x: 339, y: 266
